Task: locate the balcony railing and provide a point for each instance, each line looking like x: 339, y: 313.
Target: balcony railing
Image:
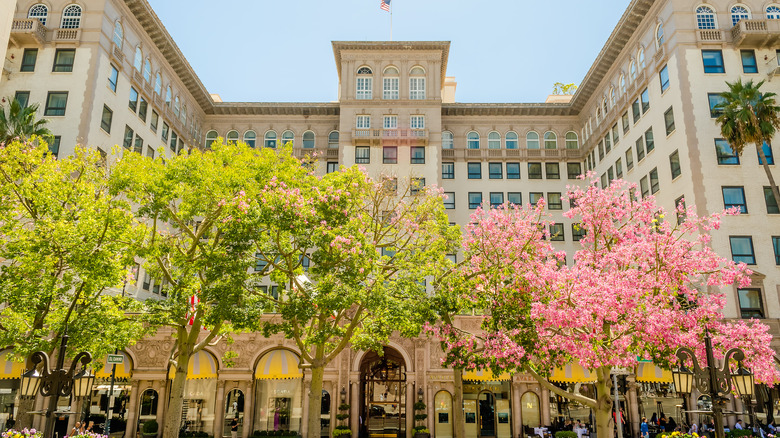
x: 513, y: 154
x: 709, y: 36
x: 756, y: 33
x: 67, y: 35
x: 416, y: 136
x: 28, y: 31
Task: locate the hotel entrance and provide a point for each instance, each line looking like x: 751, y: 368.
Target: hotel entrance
x: 486, y: 407
x: 383, y: 392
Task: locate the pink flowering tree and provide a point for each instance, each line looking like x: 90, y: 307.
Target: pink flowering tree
x: 349, y: 256
x: 638, y: 287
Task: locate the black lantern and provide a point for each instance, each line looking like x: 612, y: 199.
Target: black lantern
x: 420, y: 394
x: 683, y: 380
x: 743, y: 382
x: 82, y: 383
x: 31, y: 383
x: 343, y: 394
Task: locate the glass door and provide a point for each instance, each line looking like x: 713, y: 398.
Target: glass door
x: 487, y: 414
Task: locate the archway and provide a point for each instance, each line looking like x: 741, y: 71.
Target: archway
x: 383, y: 394
x: 486, y: 407
x: 443, y: 419
x: 278, y: 392
x: 199, y: 402
x: 147, y: 409
x: 234, y: 410
x: 107, y: 405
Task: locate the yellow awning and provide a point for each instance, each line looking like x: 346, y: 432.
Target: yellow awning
x: 649, y: 372
x: 202, y: 365
x: 123, y: 370
x: 572, y: 373
x: 277, y: 365
x: 10, y: 369
x: 485, y: 376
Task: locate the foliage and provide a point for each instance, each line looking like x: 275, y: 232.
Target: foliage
x: 67, y: 239
x: 275, y: 433
x: 565, y: 434
x: 193, y: 434
x: 19, y: 122
x: 24, y: 433
x: 342, y: 430
x: 736, y: 433
x: 150, y: 426
x: 88, y: 435
x: 561, y: 88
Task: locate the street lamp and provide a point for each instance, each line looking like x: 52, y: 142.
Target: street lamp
x: 343, y: 394
x: 420, y: 394
x: 711, y: 380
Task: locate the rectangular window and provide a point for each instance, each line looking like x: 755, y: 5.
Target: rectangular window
x: 573, y: 170
x: 150, y: 152
x: 28, y: 60
x: 363, y: 122
x: 713, y: 61
x: 174, y: 140
x: 663, y: 75
x: 776, y: 247
x: 714, y: 100
x: 389, y: 155
x: 54, y: 147
x: 601, y: 150
x: 418, y: 154
x: 417, y: 88
x: 390, y: 122
x: 604, y: 181
x: 734, y: 197
x: 363, y: 88
x: 629, y: 159
x: 164, y: 133
x: 362, y: 155
x: 113, y: 78
x: 417, y: 122
x: 496, y: 199
x: 147, y: 281
x: 63, y: 60
x: 649, y: 142
x: 105, y: 119
x: 770, y: 201
x: 577, y: 232
x: 128, y: 141
x: 674, y: 164
x: 770, y: 159
x: 534, y: 197
x: 475, y: 200
x: 750, y: 303
x: 552, y: 170
x: 534, y: 170
x: 475, y: 170
x: 331, y: 166
x: 155, y: 121
x: 681, y: 215
x: 742, y: 249
x: 554, y: 201
x: 56, y: 102
x: 390, y: 88
x: 610, y: 174
x: 415, y: 185
x: 726, y: 154
x: 615, y: 135
x: 669, y: 120
x: 556, y: 232
x: 640, y: 149
x: 512, y: 170
x: 449, y: 200
x: 654, y: 186
x: 138, y: 147
x: 645, y: 96
x: 607, y: 143
x: 447, y: 170
x: 619, y: 168
x: 133, y: 103
x: 624, y: 121
x: 644, y: 186
x: 142, y: 107
x: 636, y: 111
x: 515, y: 198
x: 749, y: 64
x: 495, y: 171
x: 23, y: 97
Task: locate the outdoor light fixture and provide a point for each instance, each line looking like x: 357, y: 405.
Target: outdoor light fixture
x: 343, y: 395
x: 743, y: 381
x: 31, y: 382
x: 683, y: 379
x: 420, y: 394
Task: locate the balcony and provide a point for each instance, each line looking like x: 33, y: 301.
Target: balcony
x: 26, y: 31
x: 389, y: 137
x: 512, y: 154
x: 710, y: 36
x: 66, y: 36
x: 756, y: 33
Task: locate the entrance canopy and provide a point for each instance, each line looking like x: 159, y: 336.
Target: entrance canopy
x: 10, y: 369
x: 572, y: 373
x: 648, y: 372
x: 203, y: 365
x: 279, y: 365
x: 124, y: 370
x: 485, y: 376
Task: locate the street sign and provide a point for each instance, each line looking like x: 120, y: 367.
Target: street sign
x: 116, y: 358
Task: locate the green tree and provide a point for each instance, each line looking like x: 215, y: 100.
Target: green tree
x: 20, y: 122
x: 65, y: 241
x: 749, y: 116
x: 370, y: 247
x: 561, y: 88
x: 190, y: 207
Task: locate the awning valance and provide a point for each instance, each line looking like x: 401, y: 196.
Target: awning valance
x: 202, y: 365
x: 10, y: 369
x: 649, y: 372
x: 572, y: 373
x: 123, y: 370
x: 279, y: 364
x: 485, y: 376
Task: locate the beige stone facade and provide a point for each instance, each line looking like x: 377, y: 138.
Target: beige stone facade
x: 397, y: 115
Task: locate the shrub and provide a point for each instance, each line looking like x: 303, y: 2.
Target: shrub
x: 565, y: 434
x: 150, y: 426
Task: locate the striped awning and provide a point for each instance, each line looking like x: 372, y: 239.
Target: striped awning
x: 572, y: 373
x: 485, y: 376
x: 202, y: 365
x: 649, y: 372
x: 10, y: 369
x: 279, y: 365
x: 123, y: 370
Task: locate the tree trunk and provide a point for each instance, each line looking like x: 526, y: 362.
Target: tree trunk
x: 603, y: 411
x: 172, y: 422
x: 765, y: 164
x: 315, y: 401
x: 459, y: 426
x: 24, y: 418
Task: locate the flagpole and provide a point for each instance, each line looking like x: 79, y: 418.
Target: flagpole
x: 391, y: 21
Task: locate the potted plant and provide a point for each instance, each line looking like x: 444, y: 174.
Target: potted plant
x: 149, y: 428
x: 342, y: 430
x: 420, y: 430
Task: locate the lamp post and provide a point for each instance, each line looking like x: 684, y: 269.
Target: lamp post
x: 711, y: 380
x: 57, y: 382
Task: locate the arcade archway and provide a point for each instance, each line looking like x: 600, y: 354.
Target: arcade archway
x: 383, y: 394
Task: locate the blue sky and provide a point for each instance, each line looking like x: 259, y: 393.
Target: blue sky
x: 280, y: 50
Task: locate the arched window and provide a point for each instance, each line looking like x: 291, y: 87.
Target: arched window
x: 472, y: 140
x: 622, y: 84
x: 532, y: 140
x: 604, y: 106
x: 773, y: 12
x: 705, y: 18
x: 250, y: 138
x: 612, y: 96
x: 211, y: 137
x: 641, y: 58
x: 168, y: 96
x: 739, y: 12
x: 417, y: 83
x: 390, y: 83
x: 176, y: 106
x: 571, y: 140
x: 364, y: 83
x: 232, y: 137
x: 529, y: 406
x: 632, y: 71
x: 550, y: 140
x: 659, y: 35
x: 158, y: 84
x: 39, y: 11
x: 288, y: 137
x: 333, y: 140
x: 308, y: 140
x: 443, y: 405
x: 149, y: 400
x: 447, y: 140
x: 139, y: 59
x: 270, y: 139
x: 71, y: 17
x: 183, y: 116
x: 494, y: 140
x: 119, y: 34
x: 147, y: 70
x: 511, y: 140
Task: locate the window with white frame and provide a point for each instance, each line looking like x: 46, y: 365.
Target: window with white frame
x: 119, y: 34
x: 270, y: 139
x: 632, y: 71
x: 659, y: 35
x: 390, y: 122
x: 158, y: 84
x: 739, y: 12
x: 390, y: 83
x: 773, y: 12
x: 494, y: 140
x: 364, y: 83
x: 232, y: 137
x: 532, y: 140
x: 147, y: 71
x: 176, y: 106
x: 705, y: 17
x: 571, y: 140
x: 138, y: 61
x: 511, y: 140
x: 472, y: 140
x: 612, y: 97
x: 308, y: 140
x: 250, y: 138
x: 71, y: 17
x: 168, y: 96
x: 417, y: 122
x: 417, y: 84
x: 550, y: 140
x: 288, y: 137
x: 447, y: 140
x: 39, y: 11
x: 622, y: 84
x: 211, y: 137
x: 641, y: 58
x: 333, y: 140
x: 363, y: 122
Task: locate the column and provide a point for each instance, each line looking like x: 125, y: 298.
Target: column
x: 354, y: 409
x: 219, y: 410
x: 162, y: 403
x: 517, y: 418
x: 545, y: 407
x: 133, y: 404
x: 633, y: 405
x: 249, y: 409
x: 306, y: 392
x: 411, y: 399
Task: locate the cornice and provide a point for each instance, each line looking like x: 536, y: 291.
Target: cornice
x: 507, y: 109
x: 275, y: 109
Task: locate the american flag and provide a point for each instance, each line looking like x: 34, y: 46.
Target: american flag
x: 194, y: 301
x: 385, y: 5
